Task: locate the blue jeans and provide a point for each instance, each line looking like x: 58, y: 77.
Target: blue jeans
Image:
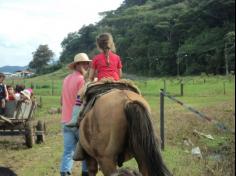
x: 70, y: 139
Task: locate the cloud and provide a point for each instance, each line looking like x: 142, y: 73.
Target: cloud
x: 25, y: 24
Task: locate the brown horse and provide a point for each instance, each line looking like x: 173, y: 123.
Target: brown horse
x: 117, y: 128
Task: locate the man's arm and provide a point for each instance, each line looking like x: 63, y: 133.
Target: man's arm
x: 120, y: 73
x: 91, y: 74
x: 6, y: 92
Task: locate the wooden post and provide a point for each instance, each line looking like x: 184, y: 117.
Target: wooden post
x: 40, y: 102
x: 226, y: 60
x: 182, y: 89
x: 224, y: 88
x: 52, y: 87
x: 32, y: 85
x: 164, y: 85
x: 162, y: 126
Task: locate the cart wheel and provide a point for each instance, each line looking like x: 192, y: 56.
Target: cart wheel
x: 41, y: 130
x: 29, y: 134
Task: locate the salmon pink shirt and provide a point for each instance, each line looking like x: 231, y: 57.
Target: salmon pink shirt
x: 104, y: 71
x: 71, y: 85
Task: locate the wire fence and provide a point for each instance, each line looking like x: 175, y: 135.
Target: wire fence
x: 221, y: 126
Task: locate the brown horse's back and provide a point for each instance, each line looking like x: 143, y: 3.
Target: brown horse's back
x: 103, y: 130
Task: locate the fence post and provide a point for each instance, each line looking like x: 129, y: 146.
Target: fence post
x: 224, y: 88
x: 182, y: 88
x: 52, y: 87
x: 145, y: 83
x: 40, y: 102
x: 25, y: 83
x: 162, y: 126
x: 164, y: 85
x: 31, y: 85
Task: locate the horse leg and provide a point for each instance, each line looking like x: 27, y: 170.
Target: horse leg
x: 92, y: 166
x: 107, y: 165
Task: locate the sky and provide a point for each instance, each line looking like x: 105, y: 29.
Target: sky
x: 26, y: 24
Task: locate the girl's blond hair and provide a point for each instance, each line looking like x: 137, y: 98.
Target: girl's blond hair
x: 105, y: 42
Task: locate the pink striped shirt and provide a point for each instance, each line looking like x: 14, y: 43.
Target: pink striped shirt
x: 71, y: 85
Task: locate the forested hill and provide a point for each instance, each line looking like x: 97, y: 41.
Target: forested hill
x: 165, y: 37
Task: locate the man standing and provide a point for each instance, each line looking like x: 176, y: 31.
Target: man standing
x: 71, y: 85
x: 3, y: 94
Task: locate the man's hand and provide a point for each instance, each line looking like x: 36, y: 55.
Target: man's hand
x: 79, y: 121
x: 82, y: 70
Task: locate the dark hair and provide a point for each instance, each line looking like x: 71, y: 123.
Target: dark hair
x: 19, y: 88
x: 9, y: 86
x: 105, y: 42
x: 2, y: 75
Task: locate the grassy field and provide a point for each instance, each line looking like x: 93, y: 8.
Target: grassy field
x: 214, y: 96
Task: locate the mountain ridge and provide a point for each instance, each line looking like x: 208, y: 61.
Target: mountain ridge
x: 12, y: 69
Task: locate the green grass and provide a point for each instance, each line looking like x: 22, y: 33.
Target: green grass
x: 182, y: 163
x: 193, y: 86
x: 47, y: 103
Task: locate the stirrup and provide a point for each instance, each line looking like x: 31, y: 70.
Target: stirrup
x: 79, y: 154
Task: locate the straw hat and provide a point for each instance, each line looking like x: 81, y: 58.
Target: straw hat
x: 81, y: 57
x: 26, y: 93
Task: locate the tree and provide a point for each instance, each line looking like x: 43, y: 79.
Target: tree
x: 134, y: 2
x: 153, y: 36
x: 76, y: 42
x: 41, y: 57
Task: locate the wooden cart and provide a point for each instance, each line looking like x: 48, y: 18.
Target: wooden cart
x: 19, y: 120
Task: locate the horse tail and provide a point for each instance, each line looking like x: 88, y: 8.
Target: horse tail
x: 142, y: 140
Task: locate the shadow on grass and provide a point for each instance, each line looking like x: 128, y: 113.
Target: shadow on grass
x: 4, y: 171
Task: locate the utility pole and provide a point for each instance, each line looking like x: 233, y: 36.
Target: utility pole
x: 226, y: 61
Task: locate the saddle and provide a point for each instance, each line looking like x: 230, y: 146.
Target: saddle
x: 102, y: 87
